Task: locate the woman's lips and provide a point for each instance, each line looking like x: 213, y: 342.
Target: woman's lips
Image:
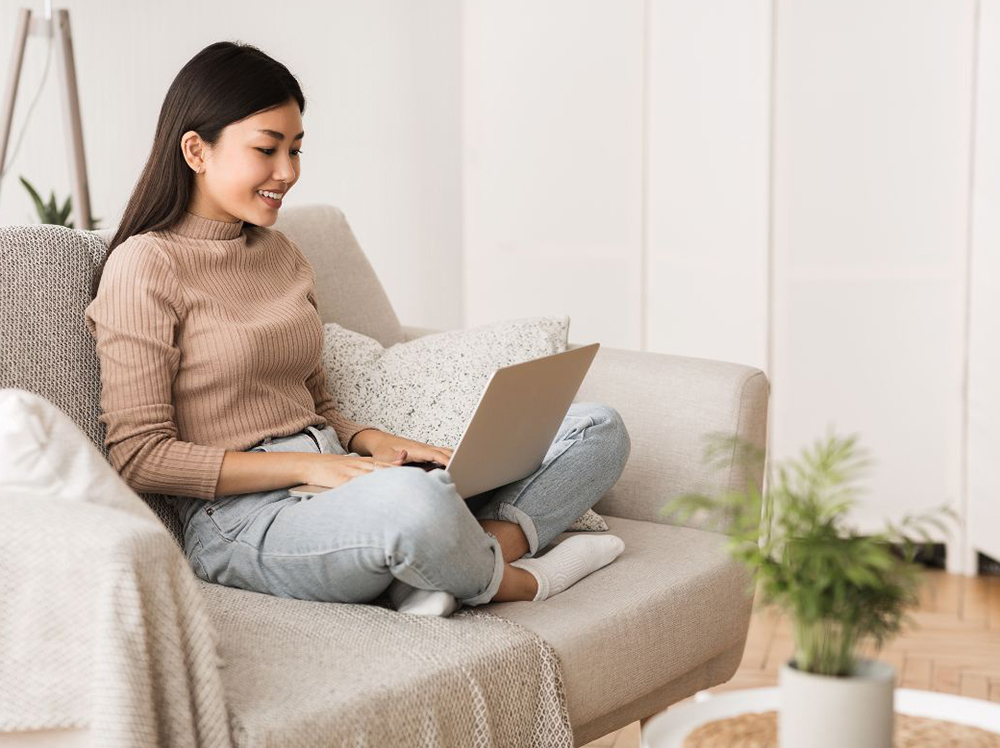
x: 270, y: 203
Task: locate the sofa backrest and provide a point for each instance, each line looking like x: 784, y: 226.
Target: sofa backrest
x: 347, y: 289
x: 46, y: 276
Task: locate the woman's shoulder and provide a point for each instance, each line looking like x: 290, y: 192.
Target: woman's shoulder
x: 145, y: 248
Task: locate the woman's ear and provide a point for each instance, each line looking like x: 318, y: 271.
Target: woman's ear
x: 193, y: 149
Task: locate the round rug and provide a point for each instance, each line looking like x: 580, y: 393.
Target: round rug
x: 760, y: 730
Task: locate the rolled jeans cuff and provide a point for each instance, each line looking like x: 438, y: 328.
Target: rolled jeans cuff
x: 510, y: 513
x: 494, y: 585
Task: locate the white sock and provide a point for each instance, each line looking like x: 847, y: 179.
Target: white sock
x: 408, y: 599
x: 571, y: 561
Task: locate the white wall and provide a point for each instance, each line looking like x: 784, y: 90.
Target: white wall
x: 709, y: 88
x: 382, y: 120
x: 553, y: 160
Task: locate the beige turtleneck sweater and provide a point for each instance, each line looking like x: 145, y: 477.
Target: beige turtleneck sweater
x: 207, y: 343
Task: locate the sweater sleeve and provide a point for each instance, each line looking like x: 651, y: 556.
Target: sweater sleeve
x: 133, y: 319
x: 316, y: 383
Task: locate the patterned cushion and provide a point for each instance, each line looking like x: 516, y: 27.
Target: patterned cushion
x: 427, y: 389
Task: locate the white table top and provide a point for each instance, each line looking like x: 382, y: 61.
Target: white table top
x: 668, y: 730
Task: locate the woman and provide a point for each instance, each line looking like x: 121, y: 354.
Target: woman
x: 213, y: 388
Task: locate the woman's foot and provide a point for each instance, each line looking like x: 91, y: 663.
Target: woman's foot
x: 408, y: 599
x: 571, y: 561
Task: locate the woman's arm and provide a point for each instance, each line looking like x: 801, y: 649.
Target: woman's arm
x: 247, y: 472
x: 364, y: 441
x: 133, y: 319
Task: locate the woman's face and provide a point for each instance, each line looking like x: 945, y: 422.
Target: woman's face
x: 258, y: 153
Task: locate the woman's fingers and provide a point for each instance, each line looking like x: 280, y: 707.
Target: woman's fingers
x: 373, y: 464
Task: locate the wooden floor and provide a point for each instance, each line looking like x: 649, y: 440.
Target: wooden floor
x: 953, y: 646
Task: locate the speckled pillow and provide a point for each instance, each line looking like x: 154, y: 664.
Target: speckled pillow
x: 427, y: 389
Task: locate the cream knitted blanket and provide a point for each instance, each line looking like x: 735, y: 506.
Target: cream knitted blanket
x: 103, y: 625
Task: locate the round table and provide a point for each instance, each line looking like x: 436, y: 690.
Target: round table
x: 669, y: 729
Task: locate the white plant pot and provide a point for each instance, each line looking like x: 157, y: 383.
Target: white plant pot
x: 828, y: 711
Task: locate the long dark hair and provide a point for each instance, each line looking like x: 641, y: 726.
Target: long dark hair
x: 224, y: 83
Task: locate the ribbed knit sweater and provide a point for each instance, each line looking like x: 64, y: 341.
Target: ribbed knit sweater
x: 207, y: 342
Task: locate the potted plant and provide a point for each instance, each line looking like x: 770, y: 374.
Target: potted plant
x: 840, y: 588
x: 50, y: 212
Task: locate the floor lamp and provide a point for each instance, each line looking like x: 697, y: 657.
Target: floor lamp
x: 47, y: 27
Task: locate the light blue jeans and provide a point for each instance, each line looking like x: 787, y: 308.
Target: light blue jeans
x: 348, y: 543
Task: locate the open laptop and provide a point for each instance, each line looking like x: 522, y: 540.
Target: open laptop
x: 516, y: 419
x: 514, y: 423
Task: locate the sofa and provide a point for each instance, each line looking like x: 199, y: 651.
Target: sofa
x: 668, y: 618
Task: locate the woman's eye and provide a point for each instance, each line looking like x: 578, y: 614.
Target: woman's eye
x: 269, y: 151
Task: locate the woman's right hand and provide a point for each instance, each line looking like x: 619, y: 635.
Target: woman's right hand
x: 335, y: 470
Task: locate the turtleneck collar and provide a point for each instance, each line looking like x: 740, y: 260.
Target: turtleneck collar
x: 199, y: 227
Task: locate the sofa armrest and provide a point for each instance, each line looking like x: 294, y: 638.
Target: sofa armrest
x: 669, y: 405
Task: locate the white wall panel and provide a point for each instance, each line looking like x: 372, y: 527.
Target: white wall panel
x: 708, y: 192
x: 552, y: 171
x: 984, y: 334
x: 871, y: 218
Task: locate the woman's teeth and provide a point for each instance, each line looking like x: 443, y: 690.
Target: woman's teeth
x: 272, y: 195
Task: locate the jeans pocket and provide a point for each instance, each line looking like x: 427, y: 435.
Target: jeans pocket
x: 227, y: 515
x: 230, y: 515
x: 194, y: 559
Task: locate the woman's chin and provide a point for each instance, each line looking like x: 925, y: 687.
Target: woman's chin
x: 263, y: 217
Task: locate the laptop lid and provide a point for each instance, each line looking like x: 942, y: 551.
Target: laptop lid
x: 516, y: 419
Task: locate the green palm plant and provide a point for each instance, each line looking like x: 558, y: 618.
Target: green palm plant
x: 49, y: 212
x: 840, y: 588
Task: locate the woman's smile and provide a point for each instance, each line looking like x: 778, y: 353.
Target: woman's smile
x: 270, y: 201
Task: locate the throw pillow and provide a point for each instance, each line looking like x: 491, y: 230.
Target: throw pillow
x: 427, y: 389
x: 43, y: 453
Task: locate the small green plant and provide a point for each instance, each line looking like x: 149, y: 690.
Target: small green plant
x: 49, y: 212
x: 840, y: 588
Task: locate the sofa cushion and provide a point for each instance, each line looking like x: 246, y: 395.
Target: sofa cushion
x: 671, y: 601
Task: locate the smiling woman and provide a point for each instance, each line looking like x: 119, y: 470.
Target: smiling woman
x: 213, y: 387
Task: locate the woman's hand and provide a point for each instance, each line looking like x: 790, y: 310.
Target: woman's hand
x: 397, y: 450
x: 335, y: 470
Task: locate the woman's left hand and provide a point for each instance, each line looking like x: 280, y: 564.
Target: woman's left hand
x: 390, y: 448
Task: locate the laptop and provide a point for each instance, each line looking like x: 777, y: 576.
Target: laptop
x: 516, y: 419
x: 514, y: 422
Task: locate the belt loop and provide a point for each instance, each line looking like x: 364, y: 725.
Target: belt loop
x: 309, y: 430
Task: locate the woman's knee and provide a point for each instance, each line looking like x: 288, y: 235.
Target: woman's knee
x: 609, y: 422
x: 426, y: 507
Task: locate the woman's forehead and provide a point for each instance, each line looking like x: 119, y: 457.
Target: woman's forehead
x: 283, y: 123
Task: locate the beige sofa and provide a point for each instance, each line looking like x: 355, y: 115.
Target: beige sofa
x: 670, y: 616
